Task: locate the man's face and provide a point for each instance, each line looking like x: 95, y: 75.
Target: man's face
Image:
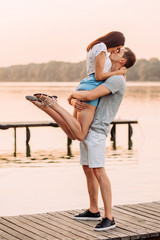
x: 117, y: 56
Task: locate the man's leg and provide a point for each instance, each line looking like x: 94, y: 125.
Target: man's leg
x: 92, y: 185
x: 105, y: 188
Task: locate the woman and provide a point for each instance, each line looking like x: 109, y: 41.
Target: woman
x: 98, y: 69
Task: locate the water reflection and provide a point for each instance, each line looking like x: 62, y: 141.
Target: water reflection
x: 141, y: 102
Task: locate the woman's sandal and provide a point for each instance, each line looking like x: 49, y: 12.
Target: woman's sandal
x: 36, y: 101
x: 43, y: 94
x: 54, y: 98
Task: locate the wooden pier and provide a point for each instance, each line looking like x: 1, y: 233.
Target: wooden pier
x: 28, y: 125
x: 134, y: 221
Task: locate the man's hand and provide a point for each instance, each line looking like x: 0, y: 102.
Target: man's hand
x: 78, y: 105
x: 70, y: 99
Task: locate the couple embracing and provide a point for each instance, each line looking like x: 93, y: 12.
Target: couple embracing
x: 96, y: 102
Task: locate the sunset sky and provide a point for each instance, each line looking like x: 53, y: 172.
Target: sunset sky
x: 45, y: 30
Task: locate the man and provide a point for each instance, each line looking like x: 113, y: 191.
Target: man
x: 92, y: 149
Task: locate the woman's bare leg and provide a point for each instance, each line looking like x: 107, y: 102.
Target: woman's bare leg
x: 57, y: 118
x: 79, y: 127
x: 60, y: 121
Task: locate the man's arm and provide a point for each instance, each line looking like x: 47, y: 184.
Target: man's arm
x: 90, y: 95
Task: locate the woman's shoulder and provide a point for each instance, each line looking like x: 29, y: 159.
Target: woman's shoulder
x: 100, y: 46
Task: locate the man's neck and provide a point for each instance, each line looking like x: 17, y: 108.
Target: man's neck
x: 115, y: 66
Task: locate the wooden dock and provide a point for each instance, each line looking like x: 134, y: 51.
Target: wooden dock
x: 134, y: 221
x: 28, y: 125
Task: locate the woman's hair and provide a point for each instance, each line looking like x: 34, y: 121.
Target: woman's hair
x: 112, y: 39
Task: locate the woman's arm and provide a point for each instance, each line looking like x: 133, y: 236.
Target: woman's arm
x: 99, y: 66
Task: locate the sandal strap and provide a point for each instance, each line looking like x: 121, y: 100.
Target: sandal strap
x: 41, y: 95
x: 42, y: 103
x: 53, y: 100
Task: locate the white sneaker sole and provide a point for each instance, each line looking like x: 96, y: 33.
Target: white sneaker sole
x: 104, y: 229
x: 87, y: 218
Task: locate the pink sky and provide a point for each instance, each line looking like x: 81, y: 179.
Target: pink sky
x: 45, y: 30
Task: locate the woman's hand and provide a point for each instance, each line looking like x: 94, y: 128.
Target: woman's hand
x: 122, y: 71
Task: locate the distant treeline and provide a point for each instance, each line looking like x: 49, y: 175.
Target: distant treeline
x: 144, y: 70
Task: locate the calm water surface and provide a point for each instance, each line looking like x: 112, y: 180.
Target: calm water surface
x: 49, y: 181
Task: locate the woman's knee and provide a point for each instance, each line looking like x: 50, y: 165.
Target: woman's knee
x: 72, y: 138
x: 81, y: 137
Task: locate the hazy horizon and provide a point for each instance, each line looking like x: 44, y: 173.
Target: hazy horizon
x: 40, y: 31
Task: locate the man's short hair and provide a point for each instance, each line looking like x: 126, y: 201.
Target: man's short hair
x: 130, y: 57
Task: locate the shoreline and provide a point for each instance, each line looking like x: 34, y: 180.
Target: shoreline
x: 69, y: 84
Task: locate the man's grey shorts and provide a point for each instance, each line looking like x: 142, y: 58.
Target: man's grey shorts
x: 92, y: 150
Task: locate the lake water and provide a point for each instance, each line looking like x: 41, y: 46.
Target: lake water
x: 48, y: 181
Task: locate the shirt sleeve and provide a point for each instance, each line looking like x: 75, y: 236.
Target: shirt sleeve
x: 100, y: 47
x: 114, y: 83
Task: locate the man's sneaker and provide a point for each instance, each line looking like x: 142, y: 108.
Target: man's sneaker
x: 87, y: 215
x: 105, y: 224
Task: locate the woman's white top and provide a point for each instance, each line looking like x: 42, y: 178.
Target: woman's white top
x: 91, y: 56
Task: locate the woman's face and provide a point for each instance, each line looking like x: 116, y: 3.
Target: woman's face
x: 117, y: 56
x: 114, y: 49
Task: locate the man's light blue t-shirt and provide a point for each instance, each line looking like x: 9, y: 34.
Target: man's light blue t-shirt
x: 109, y: 104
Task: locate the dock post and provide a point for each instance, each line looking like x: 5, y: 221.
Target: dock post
x: 69, y: 142
x: 28, y: 152
x: 15, y: 142
x: 130, y: 132
x: 113, y: 136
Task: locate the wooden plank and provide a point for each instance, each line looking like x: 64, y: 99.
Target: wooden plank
x: 60, y: 225
x: 79, y: 225
x: 40, y: 228
x: 6, y: 236
x: 124, y: 122
x: 88, y: 225
x: 18, y: 226
x: 142, y: 220
x: 157, y: 202
x: 142, y: 227
x: 134, y: 221
x: 135, y: 224
x: 139, y: 211
x: 69, y: 223
x: 122, y: 222
x: 154, y: 214
x: 150, y: 206
x: 49, y: 123
x: 29, y: 226
x: 139, y: 219
x: 10, y: 230
x: 52, y: 230
x: 132, y: 231
x: 116, y: 233
x: 6, y: 125
x: 128, y: 232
